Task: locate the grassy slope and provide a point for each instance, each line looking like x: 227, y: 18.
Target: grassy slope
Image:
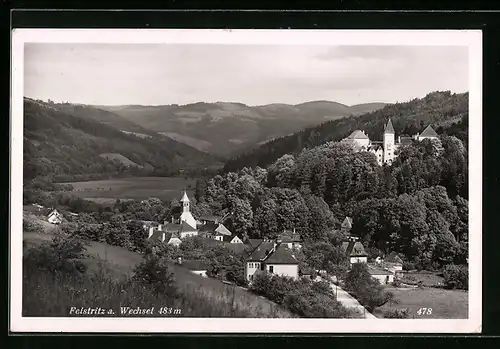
x: 122, y: 262
x: 445, y: 304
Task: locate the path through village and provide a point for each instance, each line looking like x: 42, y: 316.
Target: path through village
x: 350, y: 302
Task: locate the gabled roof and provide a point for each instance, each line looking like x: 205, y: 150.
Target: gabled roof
x: 228, y: 238
x: 428, y: 132
x: 358, y: 134
x: 389, y: 128
x: 158, y: 235
x: 261, y: 251
x: 282, y: 255
x: 374, y: 147
x: 185, y: 227
x: 221, y: 229
x: 354, y: 249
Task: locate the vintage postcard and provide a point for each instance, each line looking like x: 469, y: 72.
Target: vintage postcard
x: 274, y: 181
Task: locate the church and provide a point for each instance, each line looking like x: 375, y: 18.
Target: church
x: 385, y: 151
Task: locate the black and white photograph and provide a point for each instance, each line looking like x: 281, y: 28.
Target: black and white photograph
x: 270, y: 180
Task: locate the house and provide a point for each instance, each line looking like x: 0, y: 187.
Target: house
x: 291, y: 239
x: 208, y: 219
x: 167, y: 237
x: 55, y: 217
x: 270, y: 257
x: 253, y: 243
x: 232, y: 239
x: 355, y: 251
x: 428, y: 133
x: 194, y: 266
x: 385, y: 151
x: 383, y: 276
x: 393, y: 263
x: 216, y: 231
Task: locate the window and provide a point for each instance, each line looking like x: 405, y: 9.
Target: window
x: 262, y: 266
x: 250, y: 265
x: 256, y: 265
x: 271, y: 269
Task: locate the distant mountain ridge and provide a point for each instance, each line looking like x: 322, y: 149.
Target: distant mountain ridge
x: 437, y: 108
x: 67, y: 142
x: 227, y: 128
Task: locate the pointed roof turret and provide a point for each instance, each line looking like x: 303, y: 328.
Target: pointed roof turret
x: 185, y: 197
x: 389, y: 128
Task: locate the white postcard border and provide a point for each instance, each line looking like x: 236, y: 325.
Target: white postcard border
x: 470, y: 38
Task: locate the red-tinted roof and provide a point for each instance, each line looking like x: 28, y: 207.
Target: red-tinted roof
x: 429, y: 132
x: 261, y: 251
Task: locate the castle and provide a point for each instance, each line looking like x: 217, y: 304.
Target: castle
x: 385, y: 151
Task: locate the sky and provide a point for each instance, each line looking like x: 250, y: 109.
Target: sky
x: 156, y: 74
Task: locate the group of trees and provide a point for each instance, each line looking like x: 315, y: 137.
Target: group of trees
x: 416, y: 206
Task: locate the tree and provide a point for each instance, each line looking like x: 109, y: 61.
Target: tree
x: 154, y: 271
x: 366, y: 289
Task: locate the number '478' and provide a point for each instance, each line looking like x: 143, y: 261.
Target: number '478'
x: 424, y: 311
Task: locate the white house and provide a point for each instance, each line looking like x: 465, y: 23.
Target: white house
x: 355, y: 251
x: 383, y: 276
x: 274, y: 258
x: 55, y: 217
x: 428, y: 133
x: 187, y: 230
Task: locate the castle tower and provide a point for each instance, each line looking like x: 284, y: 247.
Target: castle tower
x: 389, y: 142
x: 186, y: 216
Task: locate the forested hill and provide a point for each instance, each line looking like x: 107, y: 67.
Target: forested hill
x: 443, y: 110
x: 64, y: 147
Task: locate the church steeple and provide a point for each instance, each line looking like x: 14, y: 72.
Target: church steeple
x: 389, y: 128
x: 185, y: 202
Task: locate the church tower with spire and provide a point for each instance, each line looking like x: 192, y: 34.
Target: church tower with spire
x: 389, y: 143
x: 186, y: 215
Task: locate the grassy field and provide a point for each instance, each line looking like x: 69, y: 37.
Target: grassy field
x: 135, y: 188
x: 122, y: 262
x: 445, y: 304
x: 427, y: 278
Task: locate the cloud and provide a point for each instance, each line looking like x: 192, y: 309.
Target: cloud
x: 255, y: 75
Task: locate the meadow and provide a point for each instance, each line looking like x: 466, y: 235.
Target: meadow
x: 134, y: 188
x: 445, y: 304
x: 107, y: 265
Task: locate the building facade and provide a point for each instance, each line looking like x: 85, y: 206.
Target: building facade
x: 270, y: 257
x: 386, y: 151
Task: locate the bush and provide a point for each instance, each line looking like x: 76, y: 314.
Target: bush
x: 409, y: 266
x: 154, y: 271
x: 366, y: 289
x: 62, y: 254
x: 31, y: 225
x: 303, y: 297
x: 456, y: 277
x: 397, y: 314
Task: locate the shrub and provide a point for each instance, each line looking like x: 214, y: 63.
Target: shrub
x: 302, y: 297
x: 154, y: 271
x: 409, y: 266
x: 456, y: 277
x: 31, y: 225
x: 62, y: 254
x: 397, y: 314
x: 366, y: 289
